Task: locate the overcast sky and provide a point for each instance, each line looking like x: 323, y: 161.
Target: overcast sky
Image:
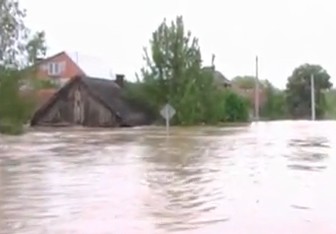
x: 283, y: 33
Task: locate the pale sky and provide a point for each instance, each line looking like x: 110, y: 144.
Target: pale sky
x: 283, y: 33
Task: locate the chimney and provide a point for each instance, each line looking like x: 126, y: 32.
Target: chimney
x: 39, y: 59
x: 120, y: 80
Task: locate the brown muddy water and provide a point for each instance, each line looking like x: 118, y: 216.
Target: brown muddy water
x: 276, y: 177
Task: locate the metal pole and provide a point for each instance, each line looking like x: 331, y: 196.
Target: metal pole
x: 312, y: 85
x: 256, y: 97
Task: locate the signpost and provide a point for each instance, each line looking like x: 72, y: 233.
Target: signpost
x: 167, y: 112
x: 312, y: 89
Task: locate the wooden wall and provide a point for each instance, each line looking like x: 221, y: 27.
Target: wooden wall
x: 77, y: 107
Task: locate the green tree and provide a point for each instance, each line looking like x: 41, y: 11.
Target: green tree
x: 330, y: 97
x: 275, y: 104
x: 36, y: 47
x: 298, y: 91
x: 174, y: 74
x: 235, y: 107
x: 247, y: 82
x: 14, y: 109
x: 13, y: 33
x: 16, y: 52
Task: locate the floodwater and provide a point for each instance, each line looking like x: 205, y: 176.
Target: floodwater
x: 276, y: 177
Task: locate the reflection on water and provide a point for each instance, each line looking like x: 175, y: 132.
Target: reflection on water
x: 272, y: 177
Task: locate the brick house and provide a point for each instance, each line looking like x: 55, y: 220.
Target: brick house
x: 63, y: 66
x: 59, y: 68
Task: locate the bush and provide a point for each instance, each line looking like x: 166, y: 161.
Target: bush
x: 221, y: 106
x: 275, y: 105
x: 15, y: 110
x: 11, y: 127
x: 235, y: 107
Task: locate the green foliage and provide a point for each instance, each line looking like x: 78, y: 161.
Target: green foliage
x: 17, y: 51
x: 275, y: 105
x: 10, y: 128
x: 36, y: 47
x: 235, y: 107
x: 136, y: 94
x: 14, y: 109
x: 38, y: 84
x: 174, y: 74
x: 13, y: 32
x: 247, y: 82
x: 330, y: 97
x: 298, y: 91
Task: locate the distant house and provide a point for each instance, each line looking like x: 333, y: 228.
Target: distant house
x: 219, y: 78
x: 89, y: 102
x: 59, y: 68
x: 250, y: 94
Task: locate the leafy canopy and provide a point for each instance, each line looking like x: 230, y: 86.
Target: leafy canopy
x: 174, y: 74
x: 247, y: 82
x: 298, y: 90
x: 18, y: 49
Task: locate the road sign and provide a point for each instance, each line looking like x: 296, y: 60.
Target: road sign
x: 167, y: 111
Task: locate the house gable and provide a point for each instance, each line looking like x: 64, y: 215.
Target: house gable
x: 64, y: 65
x: 102, y: 105
x: 58, y: 68
x: 61, y: 108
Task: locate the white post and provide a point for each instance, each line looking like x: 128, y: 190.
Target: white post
x: 256, y: 97
x: 312, y: 85
x: 167, y: 120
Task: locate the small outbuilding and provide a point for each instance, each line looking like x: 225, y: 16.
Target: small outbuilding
x: 91, y: 102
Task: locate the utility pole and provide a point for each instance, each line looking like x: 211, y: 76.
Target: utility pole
x: 256, y: 94
x: 312, y: 86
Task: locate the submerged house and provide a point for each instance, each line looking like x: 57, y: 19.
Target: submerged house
x: 92, y: 102
x: 219, y: 79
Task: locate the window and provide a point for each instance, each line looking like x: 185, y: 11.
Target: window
x: 54, y: 69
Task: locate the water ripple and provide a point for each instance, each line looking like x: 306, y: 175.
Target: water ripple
x: 194, y: 180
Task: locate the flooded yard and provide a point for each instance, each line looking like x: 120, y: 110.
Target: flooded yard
x: 276, y: 177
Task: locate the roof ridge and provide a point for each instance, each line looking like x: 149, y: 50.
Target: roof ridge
x: 92, y: 66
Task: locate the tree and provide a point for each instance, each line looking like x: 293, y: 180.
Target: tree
x: 13, y: 32
x: 174, y: 74
x: 298, y: 91
x: 16, y: 52
x: 272, y: 100
x: 36, y: 47
x: 330, y: 97
x: 275, y: 105
x: 236, y: 108
x: 247, y: 82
